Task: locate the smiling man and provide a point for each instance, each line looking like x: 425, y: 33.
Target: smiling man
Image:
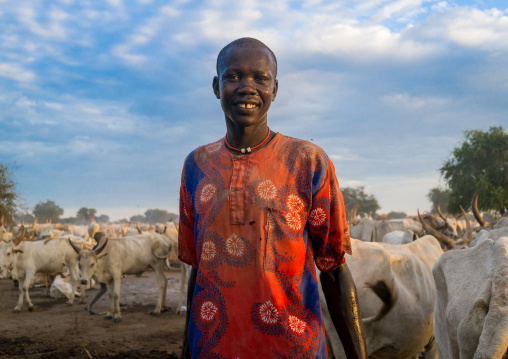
x: 258, y: 212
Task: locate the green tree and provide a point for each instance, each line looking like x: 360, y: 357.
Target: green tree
x: 86, y: 215
x: 103, y: 218
x: 47, y: 211
x: 439, y: 197
x: 137, y: 218
x: 356, y: 195
x: 159, y: 216
x: 479, y: 162
x: 8, y: 195
x: 395, y: 214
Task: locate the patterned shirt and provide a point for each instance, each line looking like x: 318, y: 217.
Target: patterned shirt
x: 253, y: 226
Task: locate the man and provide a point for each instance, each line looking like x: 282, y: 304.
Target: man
x: 257, y: 209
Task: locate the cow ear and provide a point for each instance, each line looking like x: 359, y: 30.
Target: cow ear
x: 101, y: 255
x: 16, y: 250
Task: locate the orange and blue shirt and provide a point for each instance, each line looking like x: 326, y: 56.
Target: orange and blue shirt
x: 255, y: 227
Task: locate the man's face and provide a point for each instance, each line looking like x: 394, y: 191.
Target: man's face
x: 246, y: 85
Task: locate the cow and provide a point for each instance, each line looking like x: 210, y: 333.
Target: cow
x: 399, y: 325
x: 23, y: 259
x: 115, y: 257
x: 373, y: 230
x: 471, y: 310
x: 399, y: 237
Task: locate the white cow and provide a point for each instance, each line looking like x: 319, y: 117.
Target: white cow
x: 405, y: 272
x: 373, y: 230
x: 23, y: 259
x: 399, y: 237
x: 471, y: 311
x: 115, y: 257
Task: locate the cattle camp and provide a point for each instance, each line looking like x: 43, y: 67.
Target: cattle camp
x: 429, y: 286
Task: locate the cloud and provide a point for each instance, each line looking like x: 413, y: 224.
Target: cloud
x: 16, y: 72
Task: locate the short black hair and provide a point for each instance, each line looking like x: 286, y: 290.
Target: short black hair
x: 243, y: 42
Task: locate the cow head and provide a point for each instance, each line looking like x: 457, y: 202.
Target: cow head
x: 9, y: 251
x: 88, y: 260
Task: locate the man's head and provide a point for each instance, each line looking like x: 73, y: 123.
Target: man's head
x: 246, y: 82
x: 240, y: 43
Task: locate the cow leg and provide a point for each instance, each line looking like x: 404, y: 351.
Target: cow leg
x: 162, y: 283
x: 117, y: 316
x: 73, y: 270
x: 99, y: 294
x: 111, y: 289
x: 183, y: 283
x: 18, y: 307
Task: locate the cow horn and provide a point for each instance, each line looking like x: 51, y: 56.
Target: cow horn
x: 176, y: 226
x: 458, y: 217
x: 468, y: 236
x: 476, y: 212
x: 22, y: 233
x: 101, y: 246
x: 439, y: 236
x: 139, y: 230
x: 34, y: 223
x: 441, y: 213
x: 47, y: 240
x: 387, y: 296
x: 2, y: 220
x: 75, y: 247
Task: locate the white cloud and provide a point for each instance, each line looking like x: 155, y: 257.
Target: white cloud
x: 15, y: 72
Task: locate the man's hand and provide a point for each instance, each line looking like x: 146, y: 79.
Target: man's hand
x: 342, y: 302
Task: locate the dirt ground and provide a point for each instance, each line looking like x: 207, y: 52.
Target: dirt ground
x: 56, y: 329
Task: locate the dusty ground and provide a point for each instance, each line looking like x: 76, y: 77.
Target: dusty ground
x: 56, y: 329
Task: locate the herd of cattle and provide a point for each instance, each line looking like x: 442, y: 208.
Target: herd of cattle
x: 428, y: 286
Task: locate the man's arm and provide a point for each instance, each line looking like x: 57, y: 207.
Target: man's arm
x: 342, y: 302
x: 190, y: 292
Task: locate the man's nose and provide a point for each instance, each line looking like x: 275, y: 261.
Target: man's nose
x: 247, y: 86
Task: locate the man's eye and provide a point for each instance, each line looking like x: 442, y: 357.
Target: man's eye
x: 231, y: 77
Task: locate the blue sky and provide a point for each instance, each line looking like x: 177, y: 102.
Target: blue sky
x: 100, y: 101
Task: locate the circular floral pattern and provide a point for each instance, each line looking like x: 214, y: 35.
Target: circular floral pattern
x: 207, y: 193
x: 326, y: 263
x: 235, y: 246
x: 317, y: 216
x: 295, y: 203
x: 293, y: 220
x: 268, y: 313
x: 208, y: 310
x: 266, y: 190
x: 209, y: 251
x: 296, y: 325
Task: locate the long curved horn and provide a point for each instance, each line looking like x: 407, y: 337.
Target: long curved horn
x: 468, y: 236
x: 75, y: 247
x: 139, y: 230
x: 458, y: 217
x: 176, y: 226
x: 439, y: 236
x: 476, y: 212
x: 101, y: 246
x: 22, y: 233
x: 441, y: 214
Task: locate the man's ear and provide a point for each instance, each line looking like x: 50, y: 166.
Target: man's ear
x: 216, y: 87
x: 275, y: 89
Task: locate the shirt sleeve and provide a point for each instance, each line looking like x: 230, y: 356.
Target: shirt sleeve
x: 186, y: 239
x: 328, y: 226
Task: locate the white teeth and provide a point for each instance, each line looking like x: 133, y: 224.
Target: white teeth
x: 246, y: 105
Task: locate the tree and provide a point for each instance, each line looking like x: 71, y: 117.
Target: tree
x: 367, y: 203
x: 137, y: 218
x: 395, y: 214
x: 8, y: 195
x: 86, y: 215
x: 159, y: 216
x: 103, y: 218
x: 47, y: 211
x: 439, y: 197
x: 479, y: 162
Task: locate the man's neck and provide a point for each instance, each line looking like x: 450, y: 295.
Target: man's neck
x: 248, y: 137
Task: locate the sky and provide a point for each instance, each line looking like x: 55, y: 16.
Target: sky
x: 101, y: 101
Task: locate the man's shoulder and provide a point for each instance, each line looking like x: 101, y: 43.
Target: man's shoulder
x: 207, y: 151
x: 306, y: 148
